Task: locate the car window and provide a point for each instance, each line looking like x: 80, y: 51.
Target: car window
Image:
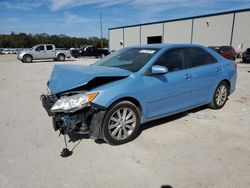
x: 40, y: 48
x: 225, y: 48
x: 197, y: 57
x: 173, y: 59
x: 49, y: 47
x: 89, y: 49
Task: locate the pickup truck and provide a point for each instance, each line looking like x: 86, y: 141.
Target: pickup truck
x: 246, y: 56
x: 89, y: 50
x: 43, y: 51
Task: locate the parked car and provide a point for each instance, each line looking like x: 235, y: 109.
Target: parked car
x: 246, y: 56
x: 6, y: 51
x: 89, y: 50
x: 113, y: 97
x: 227, y: 52
x: 43, y: 51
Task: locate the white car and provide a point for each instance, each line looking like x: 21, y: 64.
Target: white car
x: 43, y: 51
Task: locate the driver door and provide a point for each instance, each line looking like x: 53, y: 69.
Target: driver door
x: 170, y: 92
x: 89, y: 51
x: 40, y: 52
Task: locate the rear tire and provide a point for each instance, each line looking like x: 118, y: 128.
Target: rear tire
x: 121, y: 123
x: 220, y: 96
x: 27, y: 59
x: 60, y: 57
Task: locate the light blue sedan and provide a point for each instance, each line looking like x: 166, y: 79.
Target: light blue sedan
x: 112, y: 98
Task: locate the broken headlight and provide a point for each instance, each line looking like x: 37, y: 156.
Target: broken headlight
x: 73, y: 103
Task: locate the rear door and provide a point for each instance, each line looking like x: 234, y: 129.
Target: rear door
x: 171, y: 92
x: 95, y: 51
x: 206, y: 73
x: 50, y: 51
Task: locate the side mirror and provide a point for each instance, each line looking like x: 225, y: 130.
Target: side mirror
x: 157, y: 69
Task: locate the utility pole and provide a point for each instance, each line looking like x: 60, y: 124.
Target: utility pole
x: 101, y: 28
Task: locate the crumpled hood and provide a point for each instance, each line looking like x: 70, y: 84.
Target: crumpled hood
x: 67, y: 77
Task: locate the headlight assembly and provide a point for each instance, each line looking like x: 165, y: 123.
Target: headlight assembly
x: 73, y: 103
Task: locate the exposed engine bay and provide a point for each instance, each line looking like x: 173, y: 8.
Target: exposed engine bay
x: 87, y: 120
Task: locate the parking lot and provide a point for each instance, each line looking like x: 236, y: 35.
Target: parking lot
x: 198, y: 148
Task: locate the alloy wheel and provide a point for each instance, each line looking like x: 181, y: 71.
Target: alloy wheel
x: 221, y: 95
x: 28, y: 59
x: 122, y: 123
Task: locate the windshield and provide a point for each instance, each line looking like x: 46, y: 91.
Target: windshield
x: 33, y: 47
x: 83, y: 47
x: 132, y: 59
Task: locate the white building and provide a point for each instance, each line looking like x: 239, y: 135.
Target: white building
x: 230, y: 28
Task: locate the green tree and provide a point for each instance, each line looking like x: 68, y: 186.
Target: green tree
x: 23, y: 40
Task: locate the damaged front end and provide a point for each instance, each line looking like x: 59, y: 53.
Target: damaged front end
x: 70, y: 100
x: 74, y: 112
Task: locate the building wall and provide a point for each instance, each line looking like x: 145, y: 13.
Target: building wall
x: 131, y: 36
x: 150, y: 31
x: 218, y: 32
x: 178, y: 32
x: 115, y: 36
x: 241, y: 33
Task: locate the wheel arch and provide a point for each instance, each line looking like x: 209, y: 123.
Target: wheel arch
x: 60, y: 53
x: 132, y: 100
x: 228, y: 84
x: 28, y: 55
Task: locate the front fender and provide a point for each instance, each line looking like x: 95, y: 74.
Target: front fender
x: 21, y: 55
x: 131, y: 87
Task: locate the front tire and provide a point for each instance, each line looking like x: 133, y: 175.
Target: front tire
x: 220, y: 96
x: 121, y: 123
x: 27, y: 59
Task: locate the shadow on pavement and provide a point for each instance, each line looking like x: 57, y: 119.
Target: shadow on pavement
x: 166, y: 186
x: 164, y: 120
x: 50, y: 61
x: 76, y: 137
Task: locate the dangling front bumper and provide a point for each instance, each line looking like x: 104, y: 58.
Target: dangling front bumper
x: 87, y: 120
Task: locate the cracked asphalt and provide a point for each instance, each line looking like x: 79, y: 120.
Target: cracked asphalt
x: 198, y: 148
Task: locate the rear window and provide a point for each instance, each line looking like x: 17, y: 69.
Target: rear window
x: 198, y: 57
x: 49, y: 47
x: 225, y: 48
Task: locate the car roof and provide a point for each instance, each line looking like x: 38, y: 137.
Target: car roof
x: 165, y: 46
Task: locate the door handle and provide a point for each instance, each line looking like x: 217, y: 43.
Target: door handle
x: 218, y: 69
x: 187, y: 76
